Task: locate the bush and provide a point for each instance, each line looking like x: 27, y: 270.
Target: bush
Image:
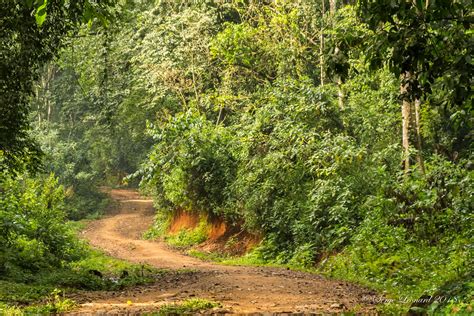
x: 33, y: 235
x: 191, y: 165
x: 416, y: 237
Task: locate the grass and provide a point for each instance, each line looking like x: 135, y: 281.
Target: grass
x: 10, y: 310
x: 190, y: 237
x: 20, y: 299
x: 251, y: 259
x: 207, y: 256
x: 77, y: 226
x: 56, y: 303
x: 97, y: 260
x: 12, y: 293
x: 45, y: 292
x: 189, y: 306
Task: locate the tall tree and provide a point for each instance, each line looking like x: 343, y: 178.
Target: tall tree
x: 27, y: 43
x: 422, y: 41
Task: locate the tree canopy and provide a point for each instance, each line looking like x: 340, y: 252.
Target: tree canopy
x: 338, y: 131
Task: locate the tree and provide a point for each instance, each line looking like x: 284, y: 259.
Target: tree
x: 422, y: 41
x: 26, y: 44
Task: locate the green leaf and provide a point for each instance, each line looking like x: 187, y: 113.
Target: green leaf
x: 40, y: 15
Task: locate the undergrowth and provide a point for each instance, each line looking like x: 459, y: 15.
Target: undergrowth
x: 46, y: 292
x: 193, y: 305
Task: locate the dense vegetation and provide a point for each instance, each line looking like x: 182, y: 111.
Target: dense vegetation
x: 339, y: 131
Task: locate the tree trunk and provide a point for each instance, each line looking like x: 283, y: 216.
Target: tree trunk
x: 340, y: 91
x: 406, y: 119
x: 219, y: 116
x: 332, y: 6
x: 418, y: 143
x: 321, y: 45
x: 38, y: 105
x: 410, y: 124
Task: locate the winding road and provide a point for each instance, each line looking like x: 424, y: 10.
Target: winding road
x: 239, y: 289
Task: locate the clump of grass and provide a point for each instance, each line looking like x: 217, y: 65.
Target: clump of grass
x: 56, y: 303
x: 193, y: 305
x: 97, y: 260
x: 52, y: 303
x: 208, y: 256
x: 18, y: 293
x: 77, y: 226
x: 10, y: 310
x: 185, y: 238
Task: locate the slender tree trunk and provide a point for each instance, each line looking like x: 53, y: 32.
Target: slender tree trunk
x: 49, y: 76
x: 418, y: 143
x: 406, y: 119
x: 321, y: 45
x: 219, y: 116
x: 49, y: 110
x: 340, y: 91
x: 196, y: 95
x: 38, y: 105
x: 410, y: 125
x: 105, y: 82
x: 332, y: 6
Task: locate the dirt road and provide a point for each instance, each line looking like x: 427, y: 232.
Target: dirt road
x: 239, y: 289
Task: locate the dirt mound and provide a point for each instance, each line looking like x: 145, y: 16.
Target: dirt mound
x: 229, y: 239
x: 183, y: 220
x: 221, y: 237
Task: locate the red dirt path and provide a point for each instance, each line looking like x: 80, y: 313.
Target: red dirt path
x: 239, y: 289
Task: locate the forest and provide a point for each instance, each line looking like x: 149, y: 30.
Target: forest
x: 337, y: 134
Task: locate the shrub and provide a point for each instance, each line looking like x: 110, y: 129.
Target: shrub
x: 33, y: 234
x: 191, y: 165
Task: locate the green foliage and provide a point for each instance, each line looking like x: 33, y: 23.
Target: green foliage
x: 10, y: 310
x: 65, y: 158
x: 285, y: 159
x: 46, y: 291
x: 27, y: 44
x: 33, y: 234
x: 207, y: 256
x: 55, y: 304
x: 429, y: 214
x: 430, y: 39
x: 160, y: 225
x: 12, y: 292
x: 191, y: 172
x: 224, y: 110
x: 193, y: 305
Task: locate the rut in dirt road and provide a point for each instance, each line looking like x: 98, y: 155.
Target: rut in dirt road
x: 239, y: 289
